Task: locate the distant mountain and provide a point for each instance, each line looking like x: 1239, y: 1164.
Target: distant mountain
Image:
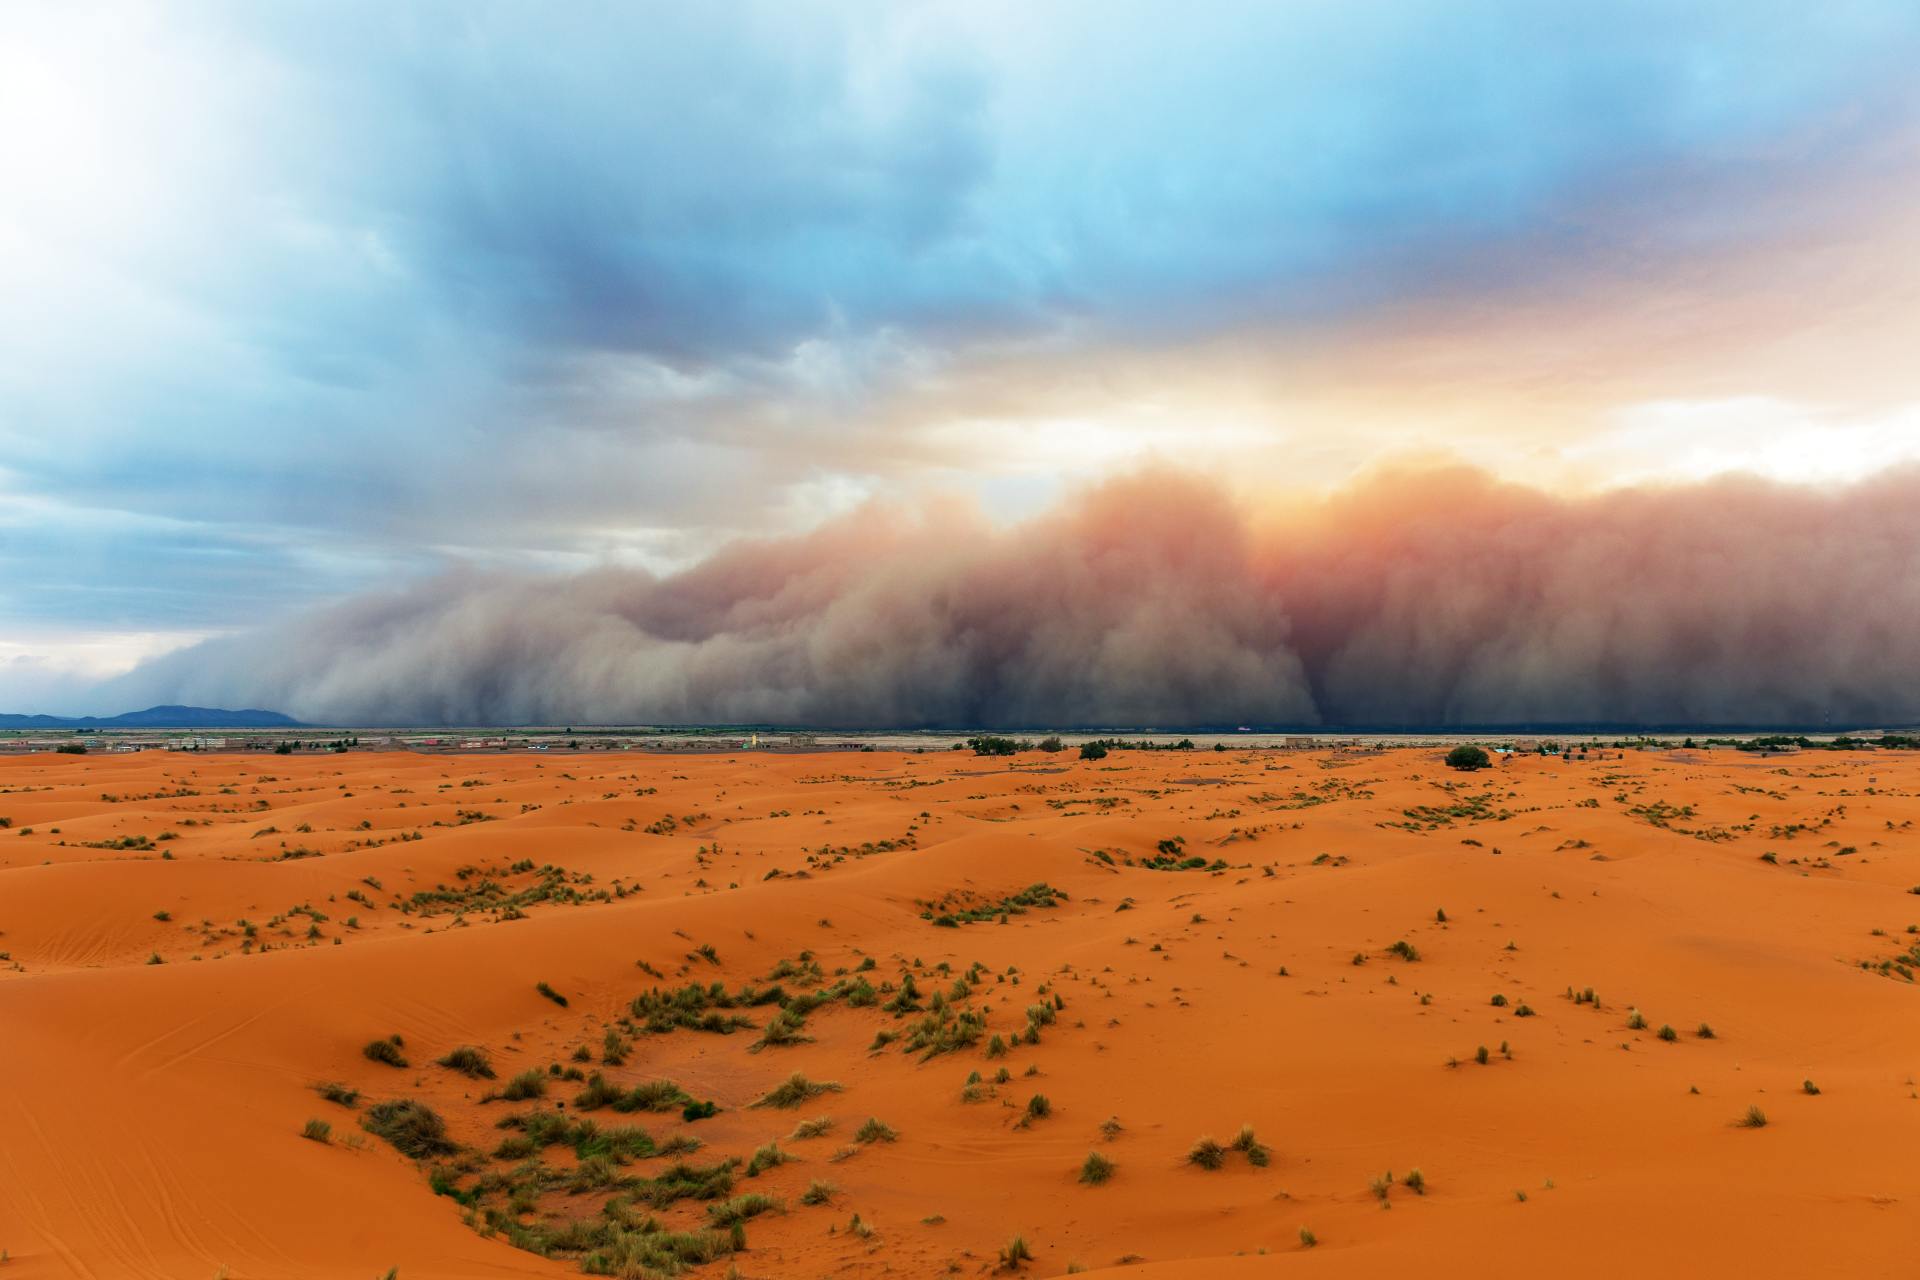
x: 158, y: 718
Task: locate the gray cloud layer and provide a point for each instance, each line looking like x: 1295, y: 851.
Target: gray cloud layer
x: 1435, y: 598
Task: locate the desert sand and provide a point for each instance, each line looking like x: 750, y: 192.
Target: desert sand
x: 192, y: 943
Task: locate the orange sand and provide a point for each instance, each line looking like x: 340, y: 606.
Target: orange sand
x: 150, y: 1113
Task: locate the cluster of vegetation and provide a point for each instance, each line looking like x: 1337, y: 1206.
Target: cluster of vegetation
x: 1209, y: 1154
x: 1034, y: 895
x: 492, y: 889
x: 1433, y: 817
x: 1773, y: 742
x: 1092, y: 749
x: 1171, y: 855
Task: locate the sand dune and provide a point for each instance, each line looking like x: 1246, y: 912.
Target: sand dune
x: 192, y: 943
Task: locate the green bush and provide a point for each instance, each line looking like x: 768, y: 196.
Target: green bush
x: 1467, y: 756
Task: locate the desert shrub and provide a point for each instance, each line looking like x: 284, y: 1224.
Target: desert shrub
x: 1207, y: 1154
x: 1405, y: 950
x: 1809, y: 1088
x: 794, y: 1090
x: 413, y: 1128
x: 1755, y: 1118
x: 1704, y: 1031
x: 317, y: 1131
x: 813, y: 1128
x: 1095, y: 1169
x: 784, y: 1028
x: 550, y: 994
x: 1255, y: 1151
x: 1308, y: 1239
x: 387, y: 1051
x: 818, y: 1192
x: 1415, y: 1182
x: 1093, y: 751
x: 764, y: 1158
x: 1039, y: 1107
x: 1051, y: 744
x: 529, y: 1084
x: 334, y: 1091
x: 469, y: 1061
x: 621, y: 1143
x: 683, y: 1181
x: 1014, y: 1253
x: 1499, y: 1002
x: 991, y: 745
x: 1667, y: 1033
x: 874, y: 1130
x: 740, y: 1208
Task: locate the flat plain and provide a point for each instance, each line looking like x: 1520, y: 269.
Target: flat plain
x: 887, y: 1014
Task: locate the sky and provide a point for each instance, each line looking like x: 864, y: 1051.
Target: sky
x: 301, y: 304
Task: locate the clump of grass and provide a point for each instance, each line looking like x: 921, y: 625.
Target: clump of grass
x: 1415, y: 1182
x: 526, y: 1086
x: 317, y: 1131
x: 1704, y: 1031
x: 794, y: 1090
x: 1481, y: 1055
x: 414, y: 1128
x: 1111, y: 1128
x: 1039, y: 1107
x: 387, y: 1051
x: 784, y: 1028
x: 1308, y: 1239
x: 1635, y: 1022
x: 737, y: 1210
x: 1499, y: 1001
x: 1095, y: 1169
x: 334, y: 1091
x: 813, y: 1128
x: 1809, y: 1088
x: 1523, y: 1011
x: 1755, y: 1118
x: 1251, y: 1147
x: 1667, y: 1033
x: 766, y: 1157
x: 1014, y: 1253
x: 818, y: 1192
x: 1207, y: 1154
x: 1405, y: 950
x: 874, y: 1130
x: 469, y: 1061
x: 547, y: 991
x: 1380, y: 1187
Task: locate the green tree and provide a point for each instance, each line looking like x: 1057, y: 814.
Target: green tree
x: 1467, y: 756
